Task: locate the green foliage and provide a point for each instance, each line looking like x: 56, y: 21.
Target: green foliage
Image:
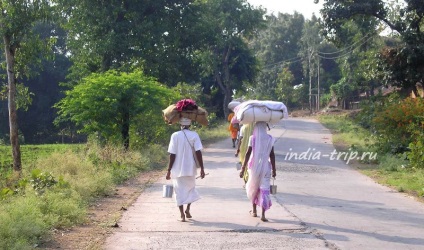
x: 396, y: 123
x: 155, y: 35
x: 110, y: 102
x: 401, y: 64
x: 87, y: 179
x: 22, y: 222
x: 392, y: 170
x: 416, y: 153
x: 348, y: 133
x: 40, y: 181
x: 63, y: 207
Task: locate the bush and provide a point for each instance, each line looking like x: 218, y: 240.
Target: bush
x: 63, y: 207
x: 395, y: 124
x: 416, y: 153
x: 22, y: 222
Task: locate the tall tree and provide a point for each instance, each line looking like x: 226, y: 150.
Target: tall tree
x: 277, y: 47
x: 21, y: 49
x: 227, y: 26
x: 155, y: 35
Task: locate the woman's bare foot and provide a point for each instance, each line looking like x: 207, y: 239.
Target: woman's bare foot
x: 264, y: 219
x: 188, y: 215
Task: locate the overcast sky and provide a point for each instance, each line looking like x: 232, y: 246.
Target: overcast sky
x: 306, y: 7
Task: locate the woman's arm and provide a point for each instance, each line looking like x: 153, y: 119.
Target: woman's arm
x: 272, y: 158
x: 246, y: 160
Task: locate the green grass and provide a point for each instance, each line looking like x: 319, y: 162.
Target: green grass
x: 390, y: 170
x: 347, y: 134
x: 215, y: 134
x: 29, y: 155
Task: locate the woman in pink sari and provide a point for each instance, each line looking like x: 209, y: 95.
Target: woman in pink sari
x: 260, y: 163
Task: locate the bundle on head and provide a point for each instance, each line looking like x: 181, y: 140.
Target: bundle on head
x: 186, y: 108
x: 186, y: 105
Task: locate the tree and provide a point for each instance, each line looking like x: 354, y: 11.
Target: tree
x: 107, y: 103
x: 310, y: 41
x: 22, y: 49
x: 123, y: 35
x: 284, y: 89
x: 277, y: 46
x: 405, y: 62
x: 225, y: 55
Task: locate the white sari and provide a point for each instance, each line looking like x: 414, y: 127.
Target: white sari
x: 259, y: 167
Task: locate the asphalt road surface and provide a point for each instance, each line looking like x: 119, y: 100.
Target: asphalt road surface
x: 321, y: 203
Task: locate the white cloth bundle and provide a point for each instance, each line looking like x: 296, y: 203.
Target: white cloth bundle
x: 261, y: 111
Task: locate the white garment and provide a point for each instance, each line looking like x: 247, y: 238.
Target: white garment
x: 185, y: 190
x: 259, y: 165
x: 184, y: 164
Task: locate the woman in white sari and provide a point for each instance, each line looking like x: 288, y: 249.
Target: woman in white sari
x: 260, y: 163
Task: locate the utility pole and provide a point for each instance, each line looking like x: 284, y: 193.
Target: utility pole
x: 318, y: 96
x: 311, y: 51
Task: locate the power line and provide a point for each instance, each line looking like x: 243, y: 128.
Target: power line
x: 367, y: 38
x: 344, y: 54
x: 349, y: 49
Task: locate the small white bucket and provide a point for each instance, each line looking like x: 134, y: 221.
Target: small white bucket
x: 167, y: 191
x: 238, y: 165
x: 273, y: 188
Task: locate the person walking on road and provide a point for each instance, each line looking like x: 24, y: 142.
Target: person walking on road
x: 260, y: 163
x: 182, y: 166
x: 245, y: 133
x: 233, y: 128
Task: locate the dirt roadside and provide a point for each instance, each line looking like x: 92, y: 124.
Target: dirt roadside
x: 102, y: 216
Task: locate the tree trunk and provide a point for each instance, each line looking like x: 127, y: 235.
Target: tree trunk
x: 223, y: 80
x: 13, y: 117
x: 125, y: 130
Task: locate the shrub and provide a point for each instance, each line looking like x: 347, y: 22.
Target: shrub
x: 22, y: 222
x: 63, y: 207
x: 416, y: 147
x: 87, y: 179
x: 395, y: 123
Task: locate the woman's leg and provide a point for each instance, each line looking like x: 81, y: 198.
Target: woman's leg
x: 254, y: 213
x: 263, y: 216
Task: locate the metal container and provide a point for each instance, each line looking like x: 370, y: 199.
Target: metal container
x: 167, y: 191
x: 238, y: 165
x: 273, y: 188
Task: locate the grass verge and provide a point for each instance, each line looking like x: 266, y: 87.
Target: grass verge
x: 389, y: 170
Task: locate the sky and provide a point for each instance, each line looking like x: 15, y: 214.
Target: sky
x: 306, y: 7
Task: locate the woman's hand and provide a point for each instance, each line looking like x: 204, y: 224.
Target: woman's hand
x: 202, y: 173
x: 274, y: 173
x: 168, y: 175
x: 242, y: 172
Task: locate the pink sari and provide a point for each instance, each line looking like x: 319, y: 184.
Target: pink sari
x: 259, y: 167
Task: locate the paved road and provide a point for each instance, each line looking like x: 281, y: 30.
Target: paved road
x: 321, y: 204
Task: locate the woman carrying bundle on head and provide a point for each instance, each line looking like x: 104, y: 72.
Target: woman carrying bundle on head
x: 259, y: 162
